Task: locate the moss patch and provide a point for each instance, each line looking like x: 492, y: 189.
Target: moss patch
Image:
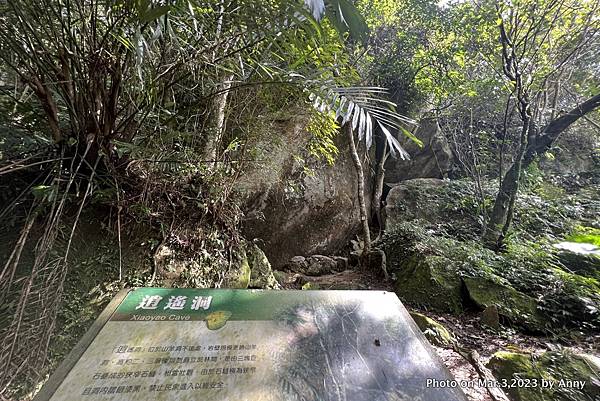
x: 516, y: 306
x: 552, y: 367
x: 434, y: 331
x: 430, y: 281
x: 585, y: 235
x: 261, y: 273
x: 239, y: 275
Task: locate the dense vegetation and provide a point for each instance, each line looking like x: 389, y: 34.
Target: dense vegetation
x: 176, y: 142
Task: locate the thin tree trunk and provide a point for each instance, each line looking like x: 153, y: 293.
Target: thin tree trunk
x: 219, y: 103
x: 502, y: 214
x: 376, y: 199
x: 361, y: 189
x: 217, y: 126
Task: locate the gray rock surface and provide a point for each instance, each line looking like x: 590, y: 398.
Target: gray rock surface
x: 314, y: 265
x: 410, y: 200
x: 433, y: 160
x: 296, y: 204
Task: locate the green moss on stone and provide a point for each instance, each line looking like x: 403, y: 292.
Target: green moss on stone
x: 262, y: 274
x: 552, y: 367
x: 434, y: 331
x: 239, y: 276
x: 430, y: 281
x: 586, y: 235
x: 518, y: 307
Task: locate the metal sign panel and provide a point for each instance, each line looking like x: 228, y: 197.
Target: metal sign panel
x: 252, y: 345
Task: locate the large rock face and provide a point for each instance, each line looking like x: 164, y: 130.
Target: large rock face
x: 411, y: 200
x: 573, y: 154
x: 295, y: 204
x: 433, y: 160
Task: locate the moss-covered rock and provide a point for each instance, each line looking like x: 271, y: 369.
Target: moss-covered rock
x: 251, y: 270
x: 261, y: 275
x: 519, y: 308
x: 573, y: 377
x: 434, y: 331
x: 430, y: 281
x: 574, y: 300
x: 525, y: 283
x: 583, y: 262
x: 239, y: 274
x: 436, y: 204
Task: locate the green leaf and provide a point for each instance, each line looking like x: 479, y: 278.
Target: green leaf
x: 411, y: 136
x: 346, y: 18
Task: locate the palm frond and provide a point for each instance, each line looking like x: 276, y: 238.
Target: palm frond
x: 344, y: 16
x: 317, y: 7
x: 364, y: 108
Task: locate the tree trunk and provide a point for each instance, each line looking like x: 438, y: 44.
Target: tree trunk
x: 531, y: 146
x: 501, y: 217
x: 376, y: 200
x: 361, y: 190
x: 554, y: 128
x: 502, y: 214
x: 217, y: 125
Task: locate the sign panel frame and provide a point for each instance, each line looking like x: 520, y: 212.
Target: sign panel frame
x: 253, y: 305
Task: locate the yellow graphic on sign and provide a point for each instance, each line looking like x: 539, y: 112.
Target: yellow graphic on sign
x: 217, y: 319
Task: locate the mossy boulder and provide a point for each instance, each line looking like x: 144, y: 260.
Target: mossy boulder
x: 239, y: 274
x: 580, y: 258
x: 434, y: 331
x: 261, y: 275
x: 252, y: 270
x: 524, y: 283
x: 574, y: 377
x: 574, y: 301
x: 519, y: 308
x: 430, y: 281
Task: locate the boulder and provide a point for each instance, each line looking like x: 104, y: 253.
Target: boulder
x: 490, y: 317
x: 249, y: 268
x: 575, y: 377
x: 261, y: 275
x: 318, y: 265
x: 238, y: 275
x: 433, y: 160
x: 411, y: 200
x: 314, y: 265
x: 430, y: 281
x: 519, y: 308
x: 434, y: 331
x: 573, y: 154
x: 295, y: 203
x: 434, y: 204
x: 580, y: 258
x: 168, y: 265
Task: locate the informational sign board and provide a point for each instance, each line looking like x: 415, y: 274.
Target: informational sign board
x: 252, y: 345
